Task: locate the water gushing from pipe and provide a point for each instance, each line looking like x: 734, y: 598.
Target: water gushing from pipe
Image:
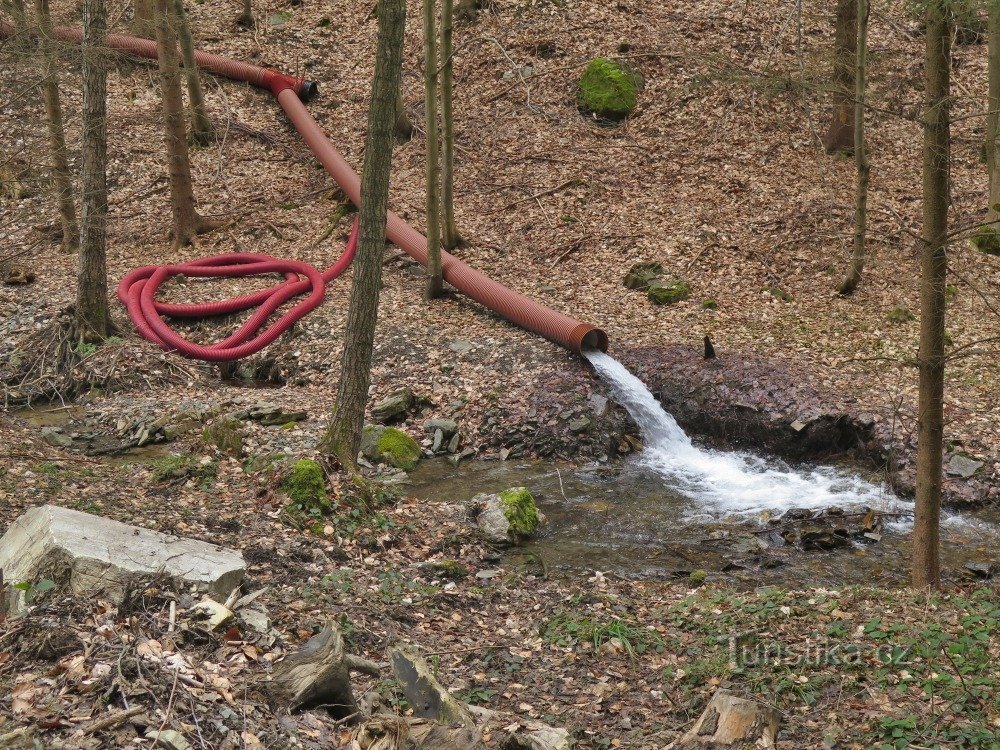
x: 726, y: 483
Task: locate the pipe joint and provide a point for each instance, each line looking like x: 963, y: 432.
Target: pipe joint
x: 277, y: 82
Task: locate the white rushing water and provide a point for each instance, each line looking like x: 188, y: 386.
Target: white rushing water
x: 726, y: 483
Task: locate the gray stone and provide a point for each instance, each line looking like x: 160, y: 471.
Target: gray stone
x: 980, y: 569
x: 55, y: 436
x: 598, y: 403
x: 461, y: 346
x: 448, y: 426
x: 83, y: 553
x: 579, y: 425
x: 454, y: 442
x: 507, y: 523
x: 427, y: 697
x: 963, y: 466
x: 438, y: 440
x: 394, y: 407
x: 168, y: 738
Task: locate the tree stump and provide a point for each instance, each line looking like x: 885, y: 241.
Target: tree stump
x: 731, y: 722
x: 393, y: 733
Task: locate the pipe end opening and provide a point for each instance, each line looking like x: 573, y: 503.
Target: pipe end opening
x: 308, y: 90
x: 595, y: 338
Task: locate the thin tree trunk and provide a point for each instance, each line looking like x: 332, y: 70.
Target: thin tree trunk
x: 451, y: 236
x: 246, y: 16
x: 62, y: 184
x: 839, y: 137
x: 20, y: 22
x: 187, y: 223
x: 993, y: 117
x: 434, y: 275
x: 144, y: 18
x: 934, y: 268
x: 343, y: 436
x: 93, y: 316
x: 403, y: 127
x: 853, y: 278
x: 201, y: 125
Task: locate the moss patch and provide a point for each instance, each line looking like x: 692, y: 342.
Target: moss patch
x: 306, y: 487
x: 521, y: 511
x: 642, y: 275
x: 227, y: 436
x: 899, y: 314
x: 667, y: 293
x: 390, y: 446
x: 987, y: 240
x: 778, y: 293
x: 607, y: 90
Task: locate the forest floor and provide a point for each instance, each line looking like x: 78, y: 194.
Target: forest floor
x: 718, y: 176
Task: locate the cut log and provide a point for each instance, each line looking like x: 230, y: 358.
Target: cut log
x: 731, y: 722
x: 429, y: 699
x: 319, y: 675
x: 392, y: 733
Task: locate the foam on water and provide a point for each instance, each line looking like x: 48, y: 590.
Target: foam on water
x: 724, y: 483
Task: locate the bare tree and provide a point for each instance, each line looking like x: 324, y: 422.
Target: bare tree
x: 853, y: 278
x: 343, y: 436
x: 246, y: 15
x: 933, y: 276
x: 187, y: 223
x: 451, y: 236
x: 93, y: 315
x: 62, y: 184
x: 201, y: 125
x: 435, y: 281
x: 144, y: 17
x: 993, y: 126
x: 839, y: 137
x: 20, y: 20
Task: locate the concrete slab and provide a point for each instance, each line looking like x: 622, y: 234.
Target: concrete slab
x: 87, y: 553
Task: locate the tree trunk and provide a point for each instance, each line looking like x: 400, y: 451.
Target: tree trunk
x: 187, y: 224
x: 93, y: 316
x: 144, y: 18
x: 201, y: 125
x: 993, y: 116
x: 343, y: 436
x: 840, y: 136
x: 62, y: 184
x: 404, y: 128
x: 452, y: 238
x: 20, y: 22
x: 434, y: 274
x: 246, y: 16
x: 853, y: 278
x: 934, y: 268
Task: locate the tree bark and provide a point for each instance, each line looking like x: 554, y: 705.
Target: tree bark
x: 187, y: 223
x: 62, y: 183
x: 934, y: 267
x: 93, y: 313
x: 858, y: 257
x: 435, y: 282
x: 20, y: 22
x: 404, y: 128
x: 144, y: 18
x: 343, y: 436
x: 201, y: 125
x: 993, y: 116
x: 839, y: 137
x: 451, y: 236
x: 246, y: 16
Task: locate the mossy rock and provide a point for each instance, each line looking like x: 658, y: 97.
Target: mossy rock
x: 521, y: 511
x: 390, y: 446
x: 608, y: 90
x: 900, y: 314
x: 667, y: 293
x: 226, y: 435
x: 305, y: 486
x: 987, y: 240
x: 641, y: 275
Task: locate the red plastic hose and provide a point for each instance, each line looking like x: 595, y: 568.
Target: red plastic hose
x: 138, y: 289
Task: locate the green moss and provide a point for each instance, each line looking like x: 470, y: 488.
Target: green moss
x: 642, y: 275
x: 710, y: 304
x: 987, y: 240
x: 398, y: 449
x: 447, y: 569
x: 227, y: 436
x: 177, y: 466
x: 778, y: 293
x: 697, y: 576
x: 660, y: 293
x: 607, y: 90
x: 306, y: 487
x: 521, y: 511
x: 899, y: 314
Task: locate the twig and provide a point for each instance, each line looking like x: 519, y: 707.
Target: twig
x: 112, y: 721
x: 569, y: 183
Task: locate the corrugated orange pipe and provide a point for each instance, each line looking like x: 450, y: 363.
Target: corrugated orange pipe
x: 513, y: 306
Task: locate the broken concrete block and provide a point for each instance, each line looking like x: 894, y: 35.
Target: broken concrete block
x: 427, y: 696
x: 85, y: 553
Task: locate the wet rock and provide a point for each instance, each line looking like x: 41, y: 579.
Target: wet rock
x: 55, y: 436
x: 390, y: 446
x: 394, y: 407
x: 796, y: 514
x: 83, y: 553
x: 438, y: 440
x: 963, y: 466
x: 508, y: 517
x: 823, y: 539
x: 598, y: 403
x: 447, y: 426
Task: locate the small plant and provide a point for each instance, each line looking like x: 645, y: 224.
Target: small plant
x: 33, y: 591
x: 567, y: 630
x: 306, y: 490
x: 177, y: 466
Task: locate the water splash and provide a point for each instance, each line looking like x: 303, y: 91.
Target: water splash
x: 725, y: 483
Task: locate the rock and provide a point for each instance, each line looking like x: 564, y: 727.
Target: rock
x: 438, y: 440
x: 55, y: 436
x: 447, y: 426
x: 283, y: 418
x: 446, y: 569
x: 823, y: 539
x: 535, y: 736
x: 390, y: 446
x: 598, y: 403
x: 641, y: 275
x: 83, y: 553
x: 733, y: 722
x: 454, y: 443
x: 211, y: 611
x: 608, y: 90
x: 227, y: 436
x: 256, y: 619
x: 987, y: 240
x: 394, y: 407
x: 426, y: 696
x: 963, y: 466
x: 167, y: 738
x: 980, y: 569
x: 509, y: 517
x: 579, y: 425
x: 660, y: 293
x: 461, y: 347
